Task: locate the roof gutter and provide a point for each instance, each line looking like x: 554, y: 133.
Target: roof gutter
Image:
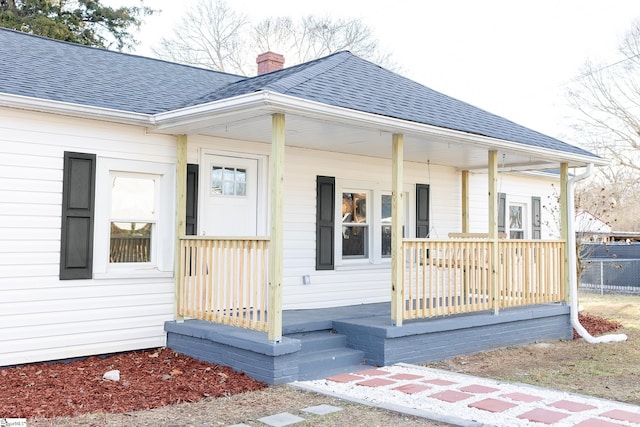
x: 273, y: 102
x: 74, y: 110
x: 573, y: 271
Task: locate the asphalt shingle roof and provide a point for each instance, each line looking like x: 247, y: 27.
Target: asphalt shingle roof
x: 345, y: 80
x: 49, y: 69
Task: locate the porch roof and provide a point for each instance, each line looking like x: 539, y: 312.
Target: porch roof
x: 337, y: 103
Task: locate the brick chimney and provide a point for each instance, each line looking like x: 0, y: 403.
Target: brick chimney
x: 269, y: 61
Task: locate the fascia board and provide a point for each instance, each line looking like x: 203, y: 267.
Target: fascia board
x: 74, y: 110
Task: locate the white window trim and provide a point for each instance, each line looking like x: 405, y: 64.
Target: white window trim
x: 164, y: 241
x: 525, y: 202
x: 374, y: 192
x: 153, y: 221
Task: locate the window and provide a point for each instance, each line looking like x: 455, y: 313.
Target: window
x: 355, y: 226
x: 519, y: 216
x: 132, y: 222
x: 364, y: 224
x: 516, y: 225
x: 134, y: 219
x: 228, y: 181
x: 385, y: 225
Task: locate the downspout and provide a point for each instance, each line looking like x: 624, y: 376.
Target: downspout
x: 572, y: 261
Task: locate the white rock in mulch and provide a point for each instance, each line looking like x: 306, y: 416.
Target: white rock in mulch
x: 113, y: 375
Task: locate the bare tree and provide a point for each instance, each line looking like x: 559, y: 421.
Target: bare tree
x: 612, y: 196
x: 313, y: 37
x: 215, y: 36
x: 608, y: 100
x: 211, y: 35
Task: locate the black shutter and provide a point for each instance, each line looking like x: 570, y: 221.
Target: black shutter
x: 325, y: 222
x: 78, y: 199
x: 536, y: 228
x: 191, y: 220
x: 502, y: 212
x: 422, y: 211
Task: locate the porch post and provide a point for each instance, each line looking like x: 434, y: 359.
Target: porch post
x: 564, y: 224
x: 494, y: 278
x: 274, y: 304
x: 181, y: 214
x: 465, y: 201
x: 397, y: 223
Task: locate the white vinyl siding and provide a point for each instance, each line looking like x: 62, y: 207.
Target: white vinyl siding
x: 519, y: 190
x: 344, y: 285
x: 42, y: 317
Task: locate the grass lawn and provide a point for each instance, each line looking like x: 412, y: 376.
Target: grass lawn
x: 610, y: 371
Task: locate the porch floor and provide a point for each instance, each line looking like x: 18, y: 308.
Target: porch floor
x: 317, y: 319
x: 321, y: 342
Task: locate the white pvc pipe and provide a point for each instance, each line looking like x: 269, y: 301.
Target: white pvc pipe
x: 573, y: 275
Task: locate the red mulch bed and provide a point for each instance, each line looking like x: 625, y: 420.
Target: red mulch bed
x: 596, y: 325
x: 148, y: 379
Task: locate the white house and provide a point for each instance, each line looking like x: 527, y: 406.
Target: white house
x: 137, y: 192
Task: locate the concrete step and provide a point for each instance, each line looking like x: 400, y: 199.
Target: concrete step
x: 319, y: 340
x: 324, y: 363
x: 325, y: 353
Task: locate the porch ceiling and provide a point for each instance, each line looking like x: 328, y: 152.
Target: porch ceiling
x: 359, y: 134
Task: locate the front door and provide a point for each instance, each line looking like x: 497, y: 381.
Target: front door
x: 229, y: 194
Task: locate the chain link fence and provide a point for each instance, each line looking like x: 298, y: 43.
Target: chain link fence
x: 611, y: 268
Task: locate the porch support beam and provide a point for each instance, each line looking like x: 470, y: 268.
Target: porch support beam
x: 494, y: 278
x: 181, y: 215
x: 564, y: 224
x: 465, y: 201
x: 274, y: 304
x: 397, y: 223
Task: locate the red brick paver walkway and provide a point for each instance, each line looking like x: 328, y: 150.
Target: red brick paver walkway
x: 459, y: 398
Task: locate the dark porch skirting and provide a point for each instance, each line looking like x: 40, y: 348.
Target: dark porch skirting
x: 322, y: 342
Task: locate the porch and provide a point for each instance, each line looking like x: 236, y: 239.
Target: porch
x: 320, y: 342
x: 449, y: 307
x: 445, y: 297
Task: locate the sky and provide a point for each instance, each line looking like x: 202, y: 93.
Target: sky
x: 512, y: 58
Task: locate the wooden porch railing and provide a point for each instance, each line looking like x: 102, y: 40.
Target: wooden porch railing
x: 444, y: 277
x: 224, y: 280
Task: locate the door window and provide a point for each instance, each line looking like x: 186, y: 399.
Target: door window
x: 228, y: 181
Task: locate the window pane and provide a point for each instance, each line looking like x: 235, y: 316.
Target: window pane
x: 516, y: 234
x: 228, y: 175
x: 515, y: 217
x: 130, y: 242
x: 132, y: 198
x: 386, y: 209
x: 241, y: 175
x: 228, y: 188
x: 354, y: 241
x: 385, y: 216
x: 354, y: 208
x: 216, y: 180
x: 216, y: 173
x: 386, y: 240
